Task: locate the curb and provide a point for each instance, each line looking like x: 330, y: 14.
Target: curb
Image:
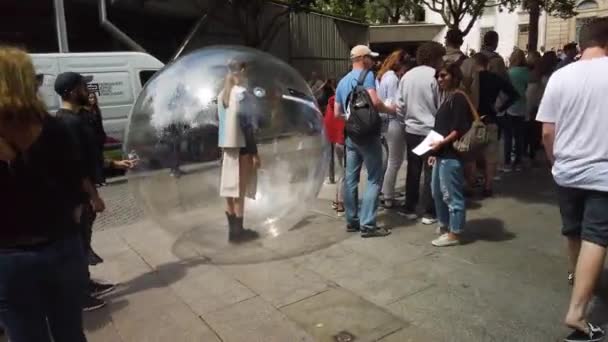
x: 116, y: 180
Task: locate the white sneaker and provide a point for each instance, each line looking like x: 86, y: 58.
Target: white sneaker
x: 444, y: 241
x: 428, y: 220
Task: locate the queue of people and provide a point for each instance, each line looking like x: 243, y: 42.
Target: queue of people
x: 537, y: 96
x: 410, y: 94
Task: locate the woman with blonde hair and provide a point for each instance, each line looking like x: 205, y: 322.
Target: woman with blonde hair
x: 240, y: 159
x: 393, y: 68
x: 519, y: 74
x: 42, y: 263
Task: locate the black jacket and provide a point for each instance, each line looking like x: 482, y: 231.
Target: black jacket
x: 83, y: 132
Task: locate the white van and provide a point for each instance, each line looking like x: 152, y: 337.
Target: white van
x: 118, y: 77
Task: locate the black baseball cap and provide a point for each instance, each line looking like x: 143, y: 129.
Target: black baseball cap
x: 68, y: 81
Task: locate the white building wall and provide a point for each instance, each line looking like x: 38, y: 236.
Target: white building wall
x: 504, y: 23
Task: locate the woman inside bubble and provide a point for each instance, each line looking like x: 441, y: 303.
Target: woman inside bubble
x: 240, y: 159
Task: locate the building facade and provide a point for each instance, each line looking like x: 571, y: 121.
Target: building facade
x: 563, y: 31
x: 512, y: 29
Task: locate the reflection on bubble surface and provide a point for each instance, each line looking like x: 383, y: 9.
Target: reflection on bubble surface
x: 199, y: 128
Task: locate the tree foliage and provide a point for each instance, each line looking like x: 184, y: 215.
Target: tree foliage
x: 258, y: 32
x: 348, y: 8
x: 453, y: 12
x: 393, y: 11
x: 559, y: 8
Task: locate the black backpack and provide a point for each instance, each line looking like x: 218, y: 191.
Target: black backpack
x: 364, y: 122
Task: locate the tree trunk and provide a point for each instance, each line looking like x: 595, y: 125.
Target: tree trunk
x: 534, y: 9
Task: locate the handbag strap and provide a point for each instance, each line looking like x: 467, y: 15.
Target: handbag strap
x: 473, y: 109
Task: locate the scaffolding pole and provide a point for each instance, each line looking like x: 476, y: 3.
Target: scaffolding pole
x: 62, y: 31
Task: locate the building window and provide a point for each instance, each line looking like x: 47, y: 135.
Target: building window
x: 482, y: 33
x: 587, y: 5
x: 522, y: 37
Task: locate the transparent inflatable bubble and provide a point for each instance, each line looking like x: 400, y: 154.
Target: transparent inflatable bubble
x: 224, y: 127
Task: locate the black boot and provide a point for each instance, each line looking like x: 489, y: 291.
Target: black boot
x: 240, y: 234
x: 232, y: 232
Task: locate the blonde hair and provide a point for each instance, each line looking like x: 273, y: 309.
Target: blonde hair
x: 20, y: 105
x: 235, y: 70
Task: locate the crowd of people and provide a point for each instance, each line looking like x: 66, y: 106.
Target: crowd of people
x: 50, y: 200
x: 506, y: 98
x: 537, y: 102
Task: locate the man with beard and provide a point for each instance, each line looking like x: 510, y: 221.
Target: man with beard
x: 72, y: 87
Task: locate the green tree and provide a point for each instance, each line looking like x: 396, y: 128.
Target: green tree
x: 392, y: 11
x: 247, y: 16
x: 348, y: 8
x: 559, y: 8
x: 453, y: 12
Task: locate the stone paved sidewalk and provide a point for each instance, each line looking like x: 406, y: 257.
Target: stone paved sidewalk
x: 506, y: 283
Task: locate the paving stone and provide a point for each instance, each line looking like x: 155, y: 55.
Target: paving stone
x: 154, y: 244
x: 279, y: 282
x: 410, y: 333
x: 121, y: 207
x: 254, y: 320
x: 140, y: 296
x: 109, y: 242
x: 462, y: 314
x: 336, y: 261
x: 388, y: 283
x: 120, y: 268
x: 100, y: 328
x: 170, y: 323
x: 206, y: 288
x: 337, y: 310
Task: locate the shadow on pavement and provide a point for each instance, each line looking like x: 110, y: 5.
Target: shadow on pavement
x: 160, y: 277
x: 529, y: 186
x: 98, y: 319
x: 392, y: 220
x: 487, y: 229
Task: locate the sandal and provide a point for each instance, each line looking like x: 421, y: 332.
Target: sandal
x: 595, y: 334
x: 334, y: 205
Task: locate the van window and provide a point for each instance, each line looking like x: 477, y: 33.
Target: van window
x: 145, y: 75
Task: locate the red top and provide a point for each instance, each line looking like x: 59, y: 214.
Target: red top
x: 333, y: 126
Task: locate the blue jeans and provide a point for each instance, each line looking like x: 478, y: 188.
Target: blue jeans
x: 369, y: 154
x: 447, y: 186
x: 41, y: 292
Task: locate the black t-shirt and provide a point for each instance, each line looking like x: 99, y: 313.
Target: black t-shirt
x: 83, y: 132
x: 41, y: 188
x: 454, y: 114
x: 490, y: 86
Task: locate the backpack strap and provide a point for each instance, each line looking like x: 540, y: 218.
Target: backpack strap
x: 473, y: 109
x: 362, y: 77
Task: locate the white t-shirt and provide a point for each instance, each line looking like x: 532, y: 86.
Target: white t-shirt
x: 576, y: 101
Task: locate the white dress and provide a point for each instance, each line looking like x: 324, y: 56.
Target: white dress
x: 231, y: 140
